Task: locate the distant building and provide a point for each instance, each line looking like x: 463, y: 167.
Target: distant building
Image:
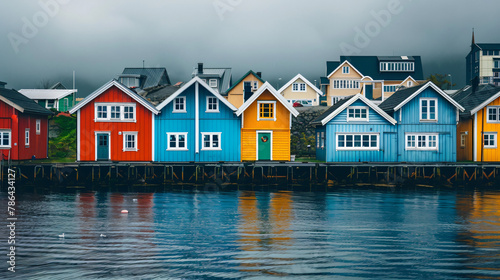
x: 299, y: 89
x: 244, y: 88
x: 483, y: 63
x: 144, y: 78
x: 219, y: 79
x: 375, y: 77
x: 60, y: 99
x: 23, y: 126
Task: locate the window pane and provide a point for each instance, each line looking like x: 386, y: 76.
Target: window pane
x: 182, y: 141
x: 374, y: 141
x: 349, y: 142
x: 366, y: 141
x: 172, y: 141
x: 341, y: 140
x: 215, y: 139
x: 357, y: 140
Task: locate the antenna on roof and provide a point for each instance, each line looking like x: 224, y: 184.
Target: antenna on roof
x: 143, y: 64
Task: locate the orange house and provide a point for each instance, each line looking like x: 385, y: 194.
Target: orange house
x: 114, y: 124
x: 266, y: 123
x: 479, y: 125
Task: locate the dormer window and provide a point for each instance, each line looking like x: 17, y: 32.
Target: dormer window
x: 345, y: 70
x: 212, y: 83
x: 397, y: 66
x: 130, y: 82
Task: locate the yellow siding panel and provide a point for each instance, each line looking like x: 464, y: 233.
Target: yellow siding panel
x: 281, y: 145
x: 248, y: 145
x: 490, y: 154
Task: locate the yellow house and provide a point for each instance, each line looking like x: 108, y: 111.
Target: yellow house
x: 266, y: 122
x: 236, y: 94
x: 375, y: 77
x: 479, y: 125
x: 301, y: 90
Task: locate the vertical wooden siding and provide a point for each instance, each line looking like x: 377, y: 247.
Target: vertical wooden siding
x: 490, y: 154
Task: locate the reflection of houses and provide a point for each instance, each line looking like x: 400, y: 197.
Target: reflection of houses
x: 60, y: 99
x: 266, y: 122
x: 23, y: 126
x: 353, y: 130
x: 217, y: 78
x: 375, y: 77
x: 114, y: 123
x: 479, y: 126
x: 244, y: 88
x: 300, y: 89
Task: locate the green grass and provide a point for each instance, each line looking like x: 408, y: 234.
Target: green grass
x: 63, y: 147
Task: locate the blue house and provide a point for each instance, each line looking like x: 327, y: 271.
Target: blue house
x: 354, y: 130
x: 427, y: 123
x: 196, y: 124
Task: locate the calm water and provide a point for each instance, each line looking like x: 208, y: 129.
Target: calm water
x: 346, y: 234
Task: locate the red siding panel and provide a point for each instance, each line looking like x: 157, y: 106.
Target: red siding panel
x: 88, y: 127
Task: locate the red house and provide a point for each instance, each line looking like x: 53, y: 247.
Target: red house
x: 23, y: 126
x: 114, y: 124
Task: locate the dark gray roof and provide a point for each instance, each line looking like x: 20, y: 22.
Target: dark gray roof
x: 156, y: 95
x: 330, y: 66
x: 223, y: 73
x: 370, y: 66
x: 396, y: 98
x: 58, y: 85
x: 489, y: 46
x: 24, y: 102
x: 470, y: 99
x: 324, y: 81
x: 153, y: 77
x: 330, y: 110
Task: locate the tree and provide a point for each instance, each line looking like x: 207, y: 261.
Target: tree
x: 45, y: 84
x: 441, y: 81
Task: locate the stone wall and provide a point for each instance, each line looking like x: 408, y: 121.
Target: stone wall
x: 303, y: 131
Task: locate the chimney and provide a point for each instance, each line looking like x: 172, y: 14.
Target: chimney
x: 259, y: 74
x: 247, y: 92
x: 200, y: 68
x: 2, y: 84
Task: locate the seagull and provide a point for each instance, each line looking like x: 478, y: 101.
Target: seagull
x: 61, y: 235
x: 102, y: 235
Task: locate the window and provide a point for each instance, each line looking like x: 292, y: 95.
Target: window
x: 497, y: 64
x: 422, y: 141
x: 115, y: 112
x: 177, y: 141
x: 130, y: 141
x: 212, y: 82
x: 428, y: 109
x: 349, y: 84
x: 390, y: 88
x: 317, y: 139
x: 362, y: 141
x: 27, y: 137
x: 4, y: 138
x: 38, y: 126
x: 410, y: 83
x: 397, y: 66
x: 322, y: 144
x: 211, y: 141
x: 345, y: 70
x: 357, y: 113
x: 50, y: 104
x: 300, y: 87
x: 130, y: 82
x: 266, y: 110
x: 212, y: 104
x: 255, y: 85
x: 493, y: 113
x: 490, y: 140
x: 180, y: 104
x: 463, y: 139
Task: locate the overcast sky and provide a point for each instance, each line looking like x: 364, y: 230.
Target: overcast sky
x: 280, y: 38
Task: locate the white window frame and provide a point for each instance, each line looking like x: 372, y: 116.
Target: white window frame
x: 38, y: 126
x: 274, y: 111
x: 211, y: 135
x: 463, y: 139
x: 397, y: 67
x: 176, y: 148
x: 4, y: 132
x: 299, y: 87
x: 183, y: 102
x: 428, y: 109
x: 345, y: 84
x: 318, y: 135
x: 212, y: 83
x: 136, y: 141
x: 108, y: 112
x: 345, y: 148
x: 354, y: 119
x: 427, y: 141
x: 495, y: 138
x: 322, y: 140
x: 216, y: 110
x: 255, y: 85
x: 390, y: 88
x: 345, y: 70
x: 27, y: 137
x: 47, y: 103
x: 497, y: 114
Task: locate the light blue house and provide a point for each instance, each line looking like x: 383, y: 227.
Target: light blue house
x: 196, y: 124
x: 427, y: 123
x: 355, y: 130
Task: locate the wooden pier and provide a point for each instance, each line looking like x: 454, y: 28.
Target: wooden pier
x: 235, y: 175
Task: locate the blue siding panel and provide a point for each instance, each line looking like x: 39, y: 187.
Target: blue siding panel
x: 224, y: 121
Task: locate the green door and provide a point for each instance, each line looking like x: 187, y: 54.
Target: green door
x: 102, y: 146
x: 264, y: 146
